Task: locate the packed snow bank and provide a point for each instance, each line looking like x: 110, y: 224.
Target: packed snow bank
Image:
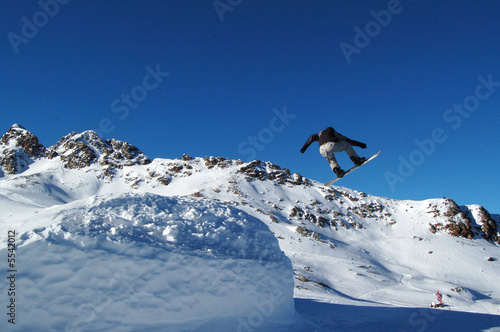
x: 145, y: 262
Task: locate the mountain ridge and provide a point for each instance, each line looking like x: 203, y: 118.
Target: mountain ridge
x: 345, y: 246
x: 79, y: 150
x: 19, y: 148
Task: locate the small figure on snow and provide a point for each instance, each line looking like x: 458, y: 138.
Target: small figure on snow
x: 440, y: 303
x: 331, y: 142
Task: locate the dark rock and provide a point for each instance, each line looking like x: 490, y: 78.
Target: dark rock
x: 18, y: 149
x: 82, y: 150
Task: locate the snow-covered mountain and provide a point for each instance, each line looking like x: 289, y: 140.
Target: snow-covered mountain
x: 108, y: 239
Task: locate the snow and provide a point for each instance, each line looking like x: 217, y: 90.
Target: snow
x: 371, y: 318
x: 141, y: 261
x: 185, y: 245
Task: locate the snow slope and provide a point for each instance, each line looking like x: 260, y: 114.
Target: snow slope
x: 142, y: 261
x: 108, y: 239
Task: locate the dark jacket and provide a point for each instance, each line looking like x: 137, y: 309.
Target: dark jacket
x: 329, y: 135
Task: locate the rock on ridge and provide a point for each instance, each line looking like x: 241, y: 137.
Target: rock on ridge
x: 268, y: 171
x: 18, y: 148
x: 464, y: 221
x: 82, y: 150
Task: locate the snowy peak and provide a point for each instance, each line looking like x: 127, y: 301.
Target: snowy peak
x: 268, y: 171
x: 319, y: 210
x: 345, y: 246
x: 463, y: 221
x: 19, y: 148
x: 482, y: 221
x: 315, y: 210
x: 82, y: 150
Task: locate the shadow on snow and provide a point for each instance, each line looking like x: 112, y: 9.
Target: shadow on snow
x: 341, y: 317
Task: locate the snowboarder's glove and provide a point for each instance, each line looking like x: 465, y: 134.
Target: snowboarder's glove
x: 362, y: 145
x: 302, y: 150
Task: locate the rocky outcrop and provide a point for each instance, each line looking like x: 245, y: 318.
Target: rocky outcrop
x: 483, y: 223
x: 268, y: 171
x: 488, y: 226
x: 337, y: 209
x: 82, y: 150
x: 464, y: 221
x: 456, y: 223
x: 18, y: 149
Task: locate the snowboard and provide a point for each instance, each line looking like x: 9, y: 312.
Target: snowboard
x: 329, y: 183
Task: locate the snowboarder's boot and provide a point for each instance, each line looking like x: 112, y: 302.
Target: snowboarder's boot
x: 339, y: 172
x: 358, y: 161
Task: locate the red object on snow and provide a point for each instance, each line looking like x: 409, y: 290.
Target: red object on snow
x: 440, y: 297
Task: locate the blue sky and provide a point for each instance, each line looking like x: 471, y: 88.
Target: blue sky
x: 253, y: 79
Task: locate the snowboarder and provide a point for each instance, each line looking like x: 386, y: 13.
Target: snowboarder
x: 331, y: 142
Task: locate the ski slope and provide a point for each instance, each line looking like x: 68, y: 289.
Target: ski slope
x: 211, y: 244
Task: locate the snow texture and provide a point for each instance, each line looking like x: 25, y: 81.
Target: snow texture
x: 211, y: 244
x: 140, y: 261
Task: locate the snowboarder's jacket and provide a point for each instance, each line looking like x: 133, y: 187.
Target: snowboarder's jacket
x: 330, y: 135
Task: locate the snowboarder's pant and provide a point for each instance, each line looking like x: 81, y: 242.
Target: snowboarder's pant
x: 329, y: 149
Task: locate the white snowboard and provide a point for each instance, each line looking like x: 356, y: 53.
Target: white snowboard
x: 329, y: 183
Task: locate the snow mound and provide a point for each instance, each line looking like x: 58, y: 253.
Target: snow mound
x: 144, y: 262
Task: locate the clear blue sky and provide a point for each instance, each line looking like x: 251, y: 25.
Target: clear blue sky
x: 82, y: 65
